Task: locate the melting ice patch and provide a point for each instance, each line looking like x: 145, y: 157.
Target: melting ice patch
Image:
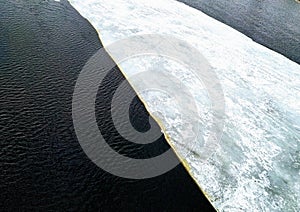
x: 257, y: 166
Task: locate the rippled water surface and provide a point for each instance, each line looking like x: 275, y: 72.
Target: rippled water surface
x: 273, y: 23
x: 43, y: 46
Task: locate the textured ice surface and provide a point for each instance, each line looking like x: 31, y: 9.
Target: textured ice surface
x: 257, y: 166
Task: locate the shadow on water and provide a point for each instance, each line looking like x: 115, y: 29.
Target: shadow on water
x: 44, y: 45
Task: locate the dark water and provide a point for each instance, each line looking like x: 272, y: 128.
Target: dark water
x: 43, y: 47
x: 273, y: 23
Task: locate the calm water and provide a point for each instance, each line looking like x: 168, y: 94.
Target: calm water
x: 273, y: 23
x: 44, y: 45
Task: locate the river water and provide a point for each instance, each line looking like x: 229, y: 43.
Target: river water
x: 44, y: 45
x: 273, y: 23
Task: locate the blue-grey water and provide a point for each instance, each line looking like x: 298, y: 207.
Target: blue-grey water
x: 44, y: 45
x: 273, y: 23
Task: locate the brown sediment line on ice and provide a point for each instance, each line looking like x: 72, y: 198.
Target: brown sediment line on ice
x: 162, y: 127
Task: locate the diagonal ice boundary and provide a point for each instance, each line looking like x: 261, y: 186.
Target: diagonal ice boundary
x: 257, y: 165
